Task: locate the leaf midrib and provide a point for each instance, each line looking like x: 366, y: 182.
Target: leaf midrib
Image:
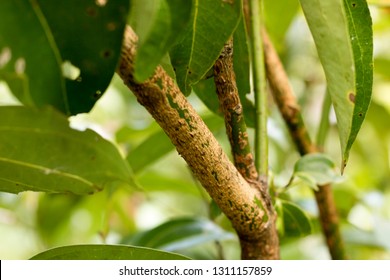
x: 48, y: 171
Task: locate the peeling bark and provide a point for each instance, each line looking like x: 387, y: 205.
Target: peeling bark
x: 249, y: 209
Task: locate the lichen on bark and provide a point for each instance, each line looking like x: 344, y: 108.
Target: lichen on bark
x: 205, y: 157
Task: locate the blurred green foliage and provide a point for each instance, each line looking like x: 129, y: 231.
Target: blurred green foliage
x: 172, y: 200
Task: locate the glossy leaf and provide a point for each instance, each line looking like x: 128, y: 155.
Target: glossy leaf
x: 181, y: 234
x: 39, y: 152
x: 29, y: 59
x: 106, y: 252
x: 319, y: 167
x: 158, y: 24
x: 295, y: 221
x: 343, y: 37
x: 212, y: 23
x: 89, y: 35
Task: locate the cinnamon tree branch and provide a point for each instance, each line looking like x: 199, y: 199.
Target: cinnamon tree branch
x: 249, y: 209
x: 289, y: 108
x: 229, y: 100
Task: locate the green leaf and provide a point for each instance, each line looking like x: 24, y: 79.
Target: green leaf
x: 55, y: 210
x: 276, y: 24
x: 345, y: 198
x: 152, y: 181
x: 39, y: 152
x: 158, y: 24
x: 204, y: 39
x: 206, y: 91
x: 106, y: 252
x: 150, y: 150
x: 319, y: 167
x: 181, y: 234
x: 306, y: 179
x: 214, y: 209
x: 343, y: 36
x: 280, y: 220
x: 29, y: 59
x: 89, y: 35
x: 296, y: 223
x: 361, y: 35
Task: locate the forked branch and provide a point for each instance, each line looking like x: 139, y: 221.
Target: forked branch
x: 249, y: 209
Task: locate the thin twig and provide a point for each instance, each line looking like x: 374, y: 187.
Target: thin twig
x: 229, y: 100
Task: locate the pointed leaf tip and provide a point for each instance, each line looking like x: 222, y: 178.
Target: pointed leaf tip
x: 348, y: 67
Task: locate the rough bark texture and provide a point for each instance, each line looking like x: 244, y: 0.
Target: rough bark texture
x: 289, y: 108
x: 249, y: 209
x: 229, y: 100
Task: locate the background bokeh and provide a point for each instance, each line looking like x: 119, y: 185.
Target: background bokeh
x: 171, y: 211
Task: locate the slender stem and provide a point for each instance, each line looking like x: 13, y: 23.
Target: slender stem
x: 259, y: 86
x: 324, y: 123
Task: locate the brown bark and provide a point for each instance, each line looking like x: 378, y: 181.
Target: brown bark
x: 249, y: 209
x: 229, y: 100
x: 289, y: 108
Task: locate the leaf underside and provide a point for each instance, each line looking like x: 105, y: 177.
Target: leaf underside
x: 342, y: 31
x: 39, y: 152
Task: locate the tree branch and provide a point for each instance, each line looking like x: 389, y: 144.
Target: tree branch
x: 289, y: 108
x: 229, y: 100
x: 249, y: 209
